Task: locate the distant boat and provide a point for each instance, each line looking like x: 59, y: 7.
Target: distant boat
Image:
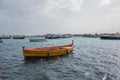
x: 1, y: 40
x: 18, y: 37
x: 5, y: 37
x: 48, y: 51
x: 41, y: 39
x: 52, y: 37
x: 112, y: 37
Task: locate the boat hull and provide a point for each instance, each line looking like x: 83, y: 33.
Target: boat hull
x: 18, y: 37
x: 37, y: 40
x: 110, y: 37
x: 56, y: 37
x: 48, y: 51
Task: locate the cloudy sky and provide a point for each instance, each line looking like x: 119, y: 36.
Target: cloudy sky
x: 59, y: 16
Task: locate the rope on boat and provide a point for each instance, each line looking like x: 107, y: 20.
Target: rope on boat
x: 48, y: 54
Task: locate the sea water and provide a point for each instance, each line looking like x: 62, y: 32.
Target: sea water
x: 91, y: 59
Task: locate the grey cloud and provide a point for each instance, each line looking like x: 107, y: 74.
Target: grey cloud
x: 57, y: 16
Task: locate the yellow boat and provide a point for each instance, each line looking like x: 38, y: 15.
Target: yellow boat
x: 48, y: 51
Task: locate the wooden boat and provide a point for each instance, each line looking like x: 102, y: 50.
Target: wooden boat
x: 48, y: 51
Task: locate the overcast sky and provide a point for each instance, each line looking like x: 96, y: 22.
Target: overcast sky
x: 59, y: 16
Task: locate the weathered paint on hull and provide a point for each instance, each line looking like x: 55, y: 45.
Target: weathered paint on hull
x: 48, y: 51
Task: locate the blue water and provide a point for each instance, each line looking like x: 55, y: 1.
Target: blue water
x: 91, y: 59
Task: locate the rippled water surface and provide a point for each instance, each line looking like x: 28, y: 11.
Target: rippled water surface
x: 91, y: 59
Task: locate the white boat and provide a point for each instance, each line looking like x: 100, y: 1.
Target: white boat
x: 111, y: 36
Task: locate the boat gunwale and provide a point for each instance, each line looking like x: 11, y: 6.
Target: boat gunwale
x: 49, y: 47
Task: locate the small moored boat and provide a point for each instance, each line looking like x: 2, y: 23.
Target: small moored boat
x: 18, y: 37
x: 38, y: 39
x: 48, y: 51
